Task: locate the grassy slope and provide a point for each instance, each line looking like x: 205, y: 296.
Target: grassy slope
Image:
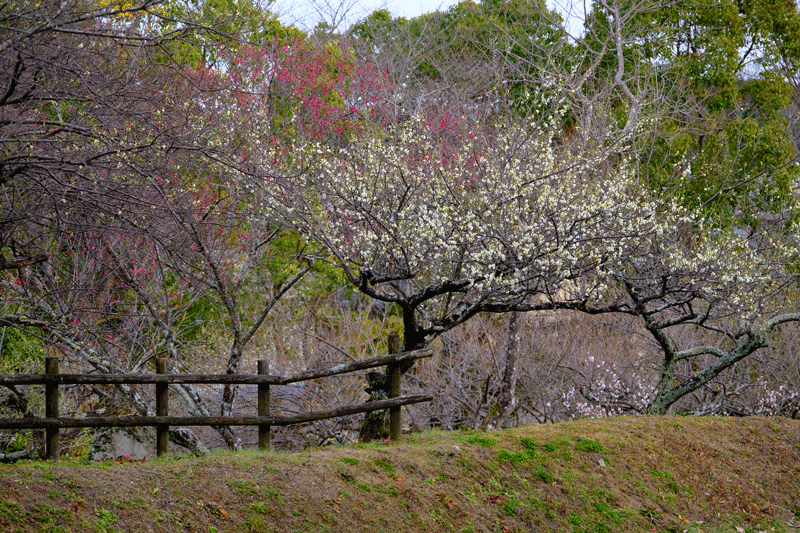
x: 657, y: 473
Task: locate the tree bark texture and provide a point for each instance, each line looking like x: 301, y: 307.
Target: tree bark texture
x: 506, y: 401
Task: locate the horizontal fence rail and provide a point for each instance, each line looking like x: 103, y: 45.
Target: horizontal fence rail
x: 143, y: 421
x: 221, y: 379
x: 52, y: 379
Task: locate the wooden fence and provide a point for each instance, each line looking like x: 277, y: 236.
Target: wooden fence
x: 52, y: 422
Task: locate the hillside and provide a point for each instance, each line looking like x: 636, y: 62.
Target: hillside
x: 669, y: 474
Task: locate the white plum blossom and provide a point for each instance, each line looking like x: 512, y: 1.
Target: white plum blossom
x: 481, y: 217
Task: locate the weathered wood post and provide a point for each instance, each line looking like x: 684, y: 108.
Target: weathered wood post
x: 162, y: 408
x: 51, y: 394
x: 263, y: 406
x: 393, y: 372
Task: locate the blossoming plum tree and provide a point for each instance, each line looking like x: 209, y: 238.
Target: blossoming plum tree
x: 449, y: 218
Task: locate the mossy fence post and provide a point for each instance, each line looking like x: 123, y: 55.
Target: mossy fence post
x: 162, y: 408
x: 52, y: 395
x: 393, y: 372
x: 263, y: 406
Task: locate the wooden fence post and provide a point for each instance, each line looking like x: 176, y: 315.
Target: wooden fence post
x: 263, y: 406
x: 51, y: 394
x: 393, y: 372
x: 162, y: 408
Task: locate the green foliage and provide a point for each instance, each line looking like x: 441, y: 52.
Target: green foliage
x: 280, y: 262
x: 509, y: 507
x: 531, y: 451
x: 588, y: 445
x: 260, y: 507
x: 244, y: 486
x: 19, y: 441
x: 386, y: 466
x: 224, y: 25
x: 465, y: 44
x: 196, y: 319
x: 515, y: 457
x: 486, y: 442
x: 766, y: 95
x: 542, y: 474
x: 662, y: 474
x: 12, y: 512
x: 104, y: 520
x: 608, y: 512
x: 20, y: 352
x: 722, y: 146
x: 575, y: 519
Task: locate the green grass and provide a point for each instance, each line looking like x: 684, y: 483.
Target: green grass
x: 588, y: 445
x: 244, y: 486
x: 385, y: 465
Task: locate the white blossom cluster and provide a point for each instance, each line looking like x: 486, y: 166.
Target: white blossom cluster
x: 520, y: 213
x: 728, y: 276
x: 773, y: 401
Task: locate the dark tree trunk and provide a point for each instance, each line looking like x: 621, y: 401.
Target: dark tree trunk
x: 376, y: 423
x: 506, y: 399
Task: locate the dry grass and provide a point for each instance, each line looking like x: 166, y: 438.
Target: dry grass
x: 620, y: 474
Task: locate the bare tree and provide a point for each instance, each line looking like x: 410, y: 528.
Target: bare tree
x: 507, y: 400
x: 118, y: 195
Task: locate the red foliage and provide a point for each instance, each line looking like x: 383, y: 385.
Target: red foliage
x: 305, y: 90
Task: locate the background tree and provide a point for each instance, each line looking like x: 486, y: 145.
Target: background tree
x: 67, y: 125
x: 722, y: 143
x: 116, y: 191
x: 477, y: 56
